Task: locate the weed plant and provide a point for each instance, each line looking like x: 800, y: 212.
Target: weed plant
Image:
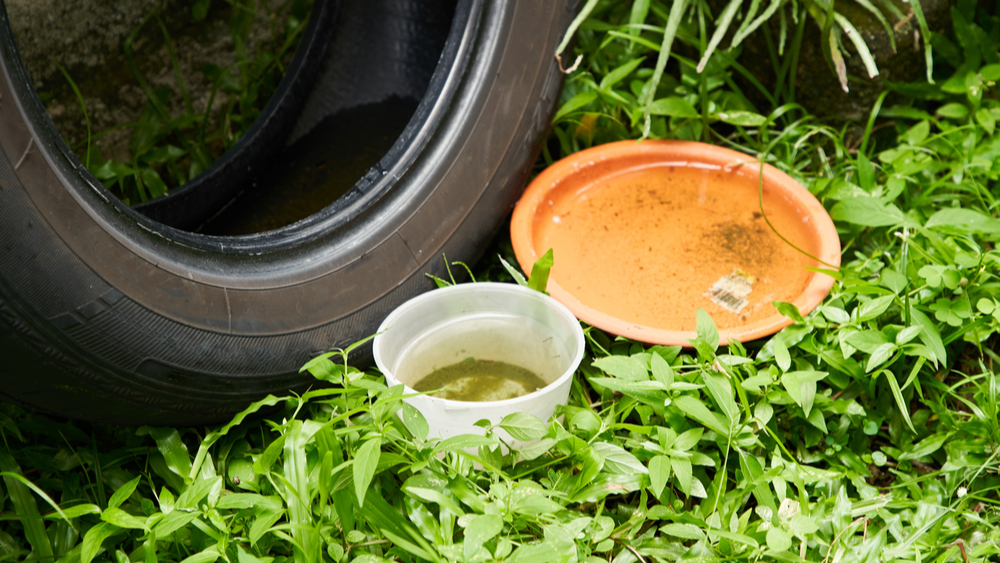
x: 867, y: 431
x: 168, y: 148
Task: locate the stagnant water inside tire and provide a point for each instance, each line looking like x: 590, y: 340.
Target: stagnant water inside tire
x: 316, y: 170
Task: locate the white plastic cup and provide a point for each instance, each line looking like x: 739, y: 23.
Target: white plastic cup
x: 487, y: 321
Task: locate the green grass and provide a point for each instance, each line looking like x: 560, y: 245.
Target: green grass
x: 171, y: 147
x: 867, y: 431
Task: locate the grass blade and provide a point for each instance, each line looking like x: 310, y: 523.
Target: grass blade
x: 673, y: 22
x: 584, y: 13
x: 859, y: 44
x: 298, y: 497
x: 25, y: 507
x: 743, y: 33
x: 365, y: 463
x: 539, y: 277
x: 720, y: 31
x: 881, y: 19
x: 925, y: 33
x: 83, y: 106
x: 897, y: 394
x: 212, y: 437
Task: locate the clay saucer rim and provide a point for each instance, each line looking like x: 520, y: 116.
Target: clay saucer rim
x: 530, y: 205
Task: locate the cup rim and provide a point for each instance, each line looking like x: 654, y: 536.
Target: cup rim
x: 441, y: 292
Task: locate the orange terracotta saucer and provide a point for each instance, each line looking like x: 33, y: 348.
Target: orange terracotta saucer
x: 646, y: 233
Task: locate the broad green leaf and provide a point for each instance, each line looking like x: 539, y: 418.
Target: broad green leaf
x: 673, y: 107
x: 789, y: 310
x: 123, y: 519
x: 617, y: 460
x: 916, y: 134
x: 172, y: 522
x: 930, y: 335
x: 967, y: 221
x: 661, y: 370
x: 611, y: 484
x: 985, y: 118
x: 736, y: 537
x: 154, y: 183
x: 123, y: 493
x: 682, y: 469
x: 263, y: 523
x: 197, y: 491
x: 659, y: 473
x: 435, y: 496
x: 75, y: 511
x: 539, y: 552
x: 244, y: 556
x: 763, y: 411
x: 481, y: 528
x: 536, y: 449
x: 754, y: 473
x: 576, y: 102
x: 167, y: 500
x: 953, y: 111
x: 698, y: 488
x: 880, y: 356
x: 908, y: 334
x: 464, y: 442
x: 755, y: 383
x: 868, y: 212
x: 365, y: 462
x: 649, y: 392
x: 382, y: 516
x: 721, y: 390
x: 533, y: 504
x: 683, y: 531
x: 616, y: 75
x: 688, y: 439
x: 175, y: 453
x: 248, y: 500
x: 742, y: 118
x: 698, y: 411
x: 207, y: 555
x: 801, y: 386
x: 990, y: 72
x: 414, y: 421
x: 539, y: 277
x: 866, y: 340
x: 781, y: 355
x: 817, y: 419
x: 706, y: 330
x: 778, y: 540
x: 890, y: 279
x: 875, y: 307
x: 93, y: 539
x: 523, y: 426
x: 927, y: 446
x: 623, y: 367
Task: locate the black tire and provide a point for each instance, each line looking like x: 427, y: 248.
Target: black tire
x: 109, y: 316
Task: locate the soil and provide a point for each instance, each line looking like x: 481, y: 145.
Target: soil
x: 86, y: 38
